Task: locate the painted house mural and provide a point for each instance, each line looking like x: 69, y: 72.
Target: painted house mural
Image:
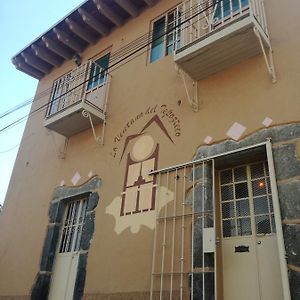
x: 170, y: 135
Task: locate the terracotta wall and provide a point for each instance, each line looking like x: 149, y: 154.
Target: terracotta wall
x: 120, y: 259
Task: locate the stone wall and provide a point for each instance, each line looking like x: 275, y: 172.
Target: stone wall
x: 61, y: 196
x: 286, y: 151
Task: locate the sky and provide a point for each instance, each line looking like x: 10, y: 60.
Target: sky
x: 21, y: 22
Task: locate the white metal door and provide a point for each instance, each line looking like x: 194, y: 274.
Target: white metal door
x: 67, y: 255
x: 251, y: 268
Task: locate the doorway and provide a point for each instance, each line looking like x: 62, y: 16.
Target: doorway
x: 67, y: 253
x: 250, y: 256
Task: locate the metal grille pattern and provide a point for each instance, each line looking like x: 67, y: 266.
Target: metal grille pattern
x: 262, y: 199
x: 72, y: 229
x: 239, y: 186
x: 84, y: 83
x: 201, y: 18
x: 183, y: 262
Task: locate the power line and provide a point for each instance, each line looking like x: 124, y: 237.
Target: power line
x: 130, y: 49
x: 10, y: 149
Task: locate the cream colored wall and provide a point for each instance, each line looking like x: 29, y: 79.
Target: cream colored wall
x: 122, y: 262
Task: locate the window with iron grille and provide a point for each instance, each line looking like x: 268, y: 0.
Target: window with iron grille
x: 165, y: 35
x: 71, y: 231
x: 246, y: 201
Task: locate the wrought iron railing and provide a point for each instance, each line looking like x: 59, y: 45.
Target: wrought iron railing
x: 200, y: 18
x: 87, y: 83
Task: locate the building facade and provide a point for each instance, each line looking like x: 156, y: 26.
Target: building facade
x: 160, y: 159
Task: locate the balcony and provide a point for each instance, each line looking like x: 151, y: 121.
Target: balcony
x: 215, y: 35
x: 78, y: 100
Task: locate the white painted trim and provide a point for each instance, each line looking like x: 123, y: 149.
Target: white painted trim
x: 163, y: 170
x: 278, y: 223
x: 247, y: 22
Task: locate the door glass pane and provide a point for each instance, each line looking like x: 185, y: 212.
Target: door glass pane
x: 227, y: 192
x: 257, y: 170
x: 273, y: 224
x: 259, y: 187
x: 245, y: 198
x: 271, y: 203
x: 244, y: 226
x: 242, y: 208
x: 262, y: 225
x: 241, y: 190
x: 226, y: 176
x: 240, y: 174
x: 229, y: 228
x: 261, y: 205
x: 228, y: 210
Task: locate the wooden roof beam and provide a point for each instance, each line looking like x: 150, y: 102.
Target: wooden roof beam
x: 57, y: 49
x: 22, y: 66
x: 83, y: 33
x: 68, y: 40
x: 150, y: 2
x: 108, y: 12
x: 36, y: 63
x: 46, y: 56
x: 93, y: 22
x: 128, y: 7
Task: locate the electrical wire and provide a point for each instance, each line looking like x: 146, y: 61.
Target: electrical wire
x: 10, y: 149
x: 129, y: 50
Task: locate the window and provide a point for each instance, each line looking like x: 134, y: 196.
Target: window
x: 98, y: 72
x: 224, y: 7
x: 246, y: 201
x: 165, y: 35
x: 72, y: 227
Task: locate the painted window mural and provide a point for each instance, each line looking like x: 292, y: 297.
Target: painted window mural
x: 139, y: 188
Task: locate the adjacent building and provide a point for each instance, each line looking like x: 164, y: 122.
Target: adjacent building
x: 160, y: 159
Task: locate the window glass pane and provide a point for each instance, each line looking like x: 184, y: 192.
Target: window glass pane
x: 227, y: 192
x: 242, y: 208
x: 245, y: 3
x: 262, y: 225
x: 229, y: 228
x: 261, y: 205
x: 241, y: 190
x: 226, y: 176
x: 259, y: 187
x: 244, y: 226
x: 98, y: 72
x: 240, y: 174
x: 228, y: 210
x: 157, y: 47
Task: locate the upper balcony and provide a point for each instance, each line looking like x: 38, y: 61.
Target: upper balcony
x: 215, y: 35
x: 78, y: 100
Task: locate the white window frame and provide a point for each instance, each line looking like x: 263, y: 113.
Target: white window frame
x: 175, y: 33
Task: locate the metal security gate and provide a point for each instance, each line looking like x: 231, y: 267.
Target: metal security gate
x: 183, y: 265
x: 67, y: 255
x: 187, y: 249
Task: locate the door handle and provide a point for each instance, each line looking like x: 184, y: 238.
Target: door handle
x: 258, y: 242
